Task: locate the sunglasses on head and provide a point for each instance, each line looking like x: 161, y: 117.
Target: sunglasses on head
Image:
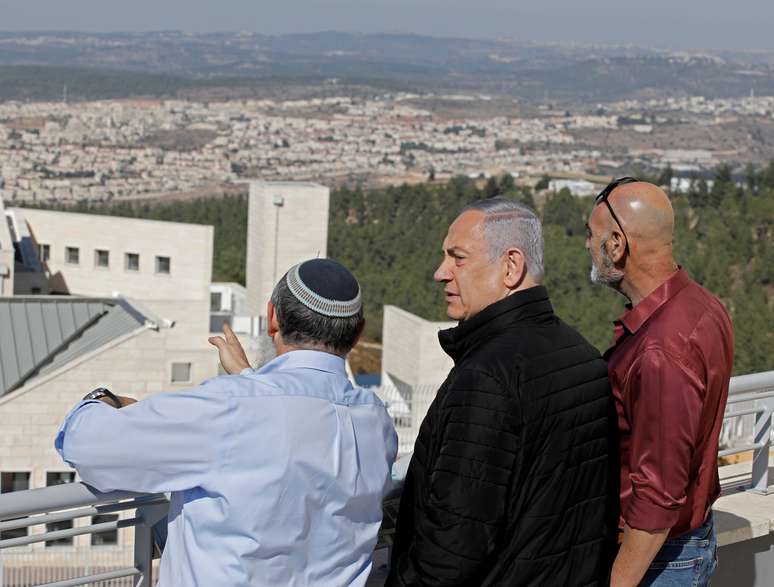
x: 605, y: 194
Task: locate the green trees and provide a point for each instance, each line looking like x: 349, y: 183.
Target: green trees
x: 391, y: 239
x: 565, y: 210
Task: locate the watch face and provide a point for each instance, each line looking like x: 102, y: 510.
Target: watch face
x: 96, y: 394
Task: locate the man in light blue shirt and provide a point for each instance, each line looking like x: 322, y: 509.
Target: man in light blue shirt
x: 277, y: 475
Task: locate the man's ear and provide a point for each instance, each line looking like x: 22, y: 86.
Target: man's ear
x: 615, y: 246
x: 515, y: 268
x: 273, y: 326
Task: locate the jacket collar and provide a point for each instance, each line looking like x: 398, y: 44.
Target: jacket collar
x: 494, y: 319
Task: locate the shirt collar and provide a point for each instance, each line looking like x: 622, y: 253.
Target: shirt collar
x: 306, y: 359
x: 633, y: 318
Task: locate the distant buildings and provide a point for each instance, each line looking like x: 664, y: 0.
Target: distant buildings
x: 111, y: 150
x: 577, y: 187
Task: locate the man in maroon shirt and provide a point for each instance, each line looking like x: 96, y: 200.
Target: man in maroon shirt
x: 669, y: 368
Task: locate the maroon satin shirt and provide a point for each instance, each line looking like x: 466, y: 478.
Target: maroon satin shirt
x: 669, y: 369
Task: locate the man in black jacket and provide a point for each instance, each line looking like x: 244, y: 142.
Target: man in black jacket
x: 508, y: 484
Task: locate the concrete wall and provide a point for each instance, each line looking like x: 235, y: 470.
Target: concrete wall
x: 744, y: 523
x: 410, y: 348
x: 746, y: 564
x: 413, y: 368
x: 287, y: 224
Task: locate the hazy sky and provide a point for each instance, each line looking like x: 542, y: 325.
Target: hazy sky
x: 674, y: 23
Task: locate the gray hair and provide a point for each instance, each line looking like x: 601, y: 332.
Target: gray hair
x: 512, y: 225
x: 302, y: 326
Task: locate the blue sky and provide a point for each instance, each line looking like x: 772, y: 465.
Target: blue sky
x: 671, y: 23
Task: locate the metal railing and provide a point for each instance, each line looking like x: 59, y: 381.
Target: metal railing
x: 749, y: 396
x: 753, y: 396
x: 407, y: 406
x: 68, y: 502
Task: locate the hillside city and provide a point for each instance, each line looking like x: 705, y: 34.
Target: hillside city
x: 118, y: 149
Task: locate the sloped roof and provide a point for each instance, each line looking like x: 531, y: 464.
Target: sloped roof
x: 39, y: 334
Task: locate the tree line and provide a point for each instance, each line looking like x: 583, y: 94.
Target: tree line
x: 391, y: 239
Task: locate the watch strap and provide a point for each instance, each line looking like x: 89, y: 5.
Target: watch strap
x: 104, y: 392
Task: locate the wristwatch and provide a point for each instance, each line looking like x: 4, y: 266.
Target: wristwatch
x: 103, y: 392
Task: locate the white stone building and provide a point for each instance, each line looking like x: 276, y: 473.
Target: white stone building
x: 413, y: 367
x: 287, y: 224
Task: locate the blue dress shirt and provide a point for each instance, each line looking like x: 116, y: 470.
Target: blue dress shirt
x: 277, y: 475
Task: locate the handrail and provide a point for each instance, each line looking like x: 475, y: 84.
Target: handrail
x: 47, y: 499
x: 751, y: 382
x: 70, y: 501
x: 34, y: 507
x: 758, y: 389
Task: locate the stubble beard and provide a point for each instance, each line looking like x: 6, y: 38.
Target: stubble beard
x: 608, y: 275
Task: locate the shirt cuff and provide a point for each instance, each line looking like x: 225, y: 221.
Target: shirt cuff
x: 60, y: 436
x: 645, y: 515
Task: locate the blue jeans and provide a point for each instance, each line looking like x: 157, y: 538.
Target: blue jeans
x: 688, y: 560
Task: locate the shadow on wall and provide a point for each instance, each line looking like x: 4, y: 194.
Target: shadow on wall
x: 57, y: 283
x: 749, y: 563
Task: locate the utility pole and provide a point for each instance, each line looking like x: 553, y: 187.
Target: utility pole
x: 278, y: 201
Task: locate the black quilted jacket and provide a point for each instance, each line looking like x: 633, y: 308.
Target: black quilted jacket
x: 509, y: 481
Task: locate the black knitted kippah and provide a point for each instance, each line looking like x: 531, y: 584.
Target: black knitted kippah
x: 325, y: 286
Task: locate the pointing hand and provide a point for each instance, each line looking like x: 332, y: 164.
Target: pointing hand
x: 232, y: 355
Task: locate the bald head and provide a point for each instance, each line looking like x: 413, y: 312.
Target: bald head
x: 636, y: 251
x: 645, y: 213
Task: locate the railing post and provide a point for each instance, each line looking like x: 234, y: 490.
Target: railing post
x: 760, y: 466
x: 143, y: 542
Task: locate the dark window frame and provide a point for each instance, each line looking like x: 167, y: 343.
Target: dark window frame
x: 68, y: 258
x: 127, y: 257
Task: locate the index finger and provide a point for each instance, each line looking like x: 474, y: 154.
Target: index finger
x: 230, y: 336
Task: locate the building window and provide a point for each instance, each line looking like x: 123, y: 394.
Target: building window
x: 216, y: 301
x: 14, y: 482
x: 107, y: 538
x: 101, y: 258
x: 72, y: 255
x: 52, y: 479
x: 44, y: 252
x: 132, y: 262
x: 181, y: 372
x: 162, y: 265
